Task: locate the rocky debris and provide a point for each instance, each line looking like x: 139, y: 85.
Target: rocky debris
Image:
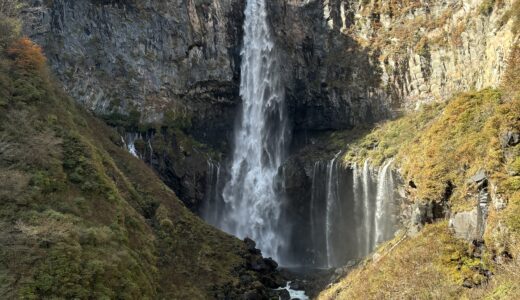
x: 510, y: 139
x: 465, y: 224
x: 479, y: 177
x: 422, y: 213
x: 470, y: 225
x: 283, y: 294
x: 265, y: 268
x: 251, y: 246
x: 259, y: 277
x: 499, y: 202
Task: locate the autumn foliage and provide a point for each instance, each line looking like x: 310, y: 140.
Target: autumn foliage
x: 27, y: 55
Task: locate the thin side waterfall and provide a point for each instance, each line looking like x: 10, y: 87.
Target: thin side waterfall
x: 385, y: 195
x: 352, y: 210
x: 130, y: 143
x: 332, y: 198
x: 358, y: 209
x: 212, y: 203
x: 367, y: 216
x: 252, y: 201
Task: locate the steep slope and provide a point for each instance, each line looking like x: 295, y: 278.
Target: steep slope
x: 82, y: 218
x: 456, y: 158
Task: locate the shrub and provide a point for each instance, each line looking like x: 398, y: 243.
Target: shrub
x: 27, y: 55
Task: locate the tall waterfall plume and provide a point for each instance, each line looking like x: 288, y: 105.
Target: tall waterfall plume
x: 252, y: 202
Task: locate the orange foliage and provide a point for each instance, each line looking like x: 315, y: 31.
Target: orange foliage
x: 28, y: 56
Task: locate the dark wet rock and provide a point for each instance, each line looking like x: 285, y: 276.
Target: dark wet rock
x: 180, y: 161
x: 296, y: 285
x: 253, y: 295
x: 251, y: 246
x: 283, y: 294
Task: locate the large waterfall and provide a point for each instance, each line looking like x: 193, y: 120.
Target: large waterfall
x: 342, y: 216
x: 252, y: 203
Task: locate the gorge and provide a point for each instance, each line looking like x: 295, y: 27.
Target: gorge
x: 194, y: 149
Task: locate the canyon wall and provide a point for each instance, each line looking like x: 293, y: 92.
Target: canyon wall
x: 345, y: 63
x: 160, y: 60
x: 363, y: 55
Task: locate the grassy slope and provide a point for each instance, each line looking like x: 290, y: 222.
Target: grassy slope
x: 439, y: 146
x: 80, y: 217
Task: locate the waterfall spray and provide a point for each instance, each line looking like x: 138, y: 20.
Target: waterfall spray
x: 252, y: 202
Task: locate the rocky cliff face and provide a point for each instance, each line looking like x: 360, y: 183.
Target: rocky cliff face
x: 346, y: 62
x: 177, y: 59
x: 364, y: 55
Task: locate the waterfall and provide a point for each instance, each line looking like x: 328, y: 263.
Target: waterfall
x: 252, y: 201
x: 332, y: 198
x: 347, y: 212
x: 358, y: 209
x: 352, y: 210
x: 129, y: 142
x: 367, y: 216
x: 212, y: 201
x: 385, y: 195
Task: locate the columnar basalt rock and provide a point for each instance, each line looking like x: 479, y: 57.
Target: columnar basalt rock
x: 346, y: 62
x: 162, y: 59
x: 356, y: 61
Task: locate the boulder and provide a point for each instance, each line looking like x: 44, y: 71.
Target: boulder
x: 480, y: 176
x: 510, y: 138
x: 466, y: 224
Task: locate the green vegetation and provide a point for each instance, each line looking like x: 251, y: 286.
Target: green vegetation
x: 80, y: 218
x: 426, y: 144
x: 439, y: 147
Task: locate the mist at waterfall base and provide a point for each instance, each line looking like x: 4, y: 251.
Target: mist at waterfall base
x: 346, y: 212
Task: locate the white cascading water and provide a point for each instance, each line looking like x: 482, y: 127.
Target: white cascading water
x: 210, y: 210
x: 358, y: 209
x: 351, y: 211
x: 332, y: 198
x: 252, y: 202
x: 313, y: 201
x: 384, y: 196
x: 366, y: 181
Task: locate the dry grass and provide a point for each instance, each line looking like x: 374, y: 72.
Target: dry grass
x: 429, y: 266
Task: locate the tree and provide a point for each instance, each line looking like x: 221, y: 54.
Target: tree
x: 29, y: 73
x: 10, y: 25
x: 27, y: 55
x: 10, y: 8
